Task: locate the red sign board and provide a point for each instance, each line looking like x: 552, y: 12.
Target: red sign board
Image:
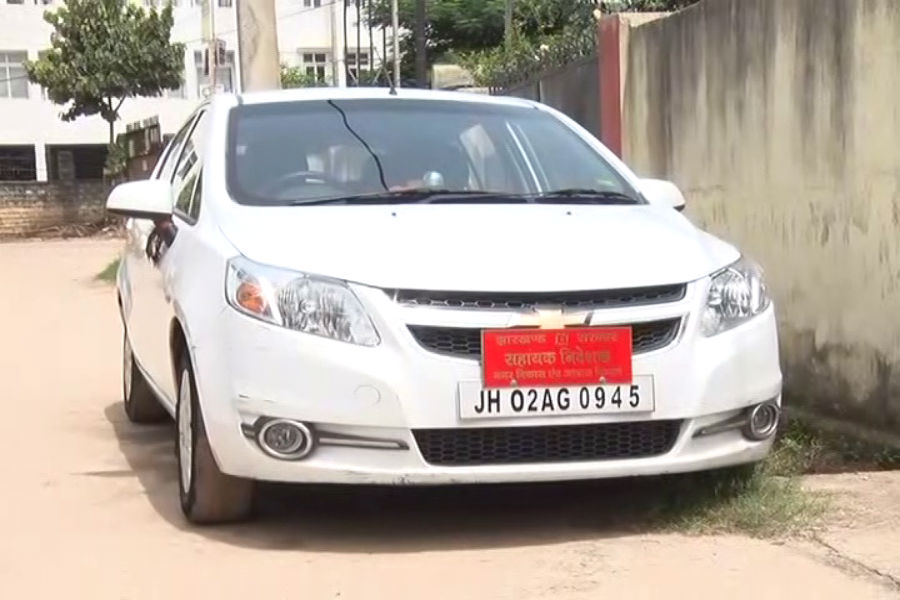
x: 556, y: 357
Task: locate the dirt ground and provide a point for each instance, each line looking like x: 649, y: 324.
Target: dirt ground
x: 88, y: 506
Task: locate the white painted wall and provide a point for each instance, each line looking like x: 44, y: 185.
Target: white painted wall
x: 35, y: 120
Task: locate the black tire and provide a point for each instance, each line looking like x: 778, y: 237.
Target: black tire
x: 141, y: 404
x: 209, y: 496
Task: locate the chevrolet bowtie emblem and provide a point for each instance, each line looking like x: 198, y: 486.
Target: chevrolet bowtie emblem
x: 551, y: 318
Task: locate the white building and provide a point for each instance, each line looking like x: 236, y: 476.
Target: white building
x: 35, y: 144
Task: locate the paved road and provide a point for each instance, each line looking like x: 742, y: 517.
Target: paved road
x: 88, y: 503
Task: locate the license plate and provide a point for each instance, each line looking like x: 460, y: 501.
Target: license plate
x: 556, y: 357
x: 479, y: 402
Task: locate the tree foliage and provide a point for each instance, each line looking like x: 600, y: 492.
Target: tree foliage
x: 104, y: 51
x: 645, y: 5
x: 296, y: 77
x: 461, y: 26
x: 471, y: 32
x: 116, y: 160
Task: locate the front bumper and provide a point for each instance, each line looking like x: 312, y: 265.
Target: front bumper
x: 247, y: 369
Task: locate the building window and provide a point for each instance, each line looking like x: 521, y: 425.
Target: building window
x: 17, y: 163
x: 15, y: 1
x: 312, y: 3
x: 224, y: 73
x: 315, y: 64
x: 225, y: 3
x: 352, y: 71
x: 67, y: 162
x: 13, y: 79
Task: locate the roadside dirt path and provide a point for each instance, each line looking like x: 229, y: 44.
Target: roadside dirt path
x: 88, y: 504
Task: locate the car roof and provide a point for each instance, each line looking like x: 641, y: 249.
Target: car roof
x: 373, y: 93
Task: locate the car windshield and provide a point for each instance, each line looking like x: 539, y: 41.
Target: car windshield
x: 401, y: 150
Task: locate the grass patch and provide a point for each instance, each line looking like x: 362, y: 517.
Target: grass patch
x: 764, y: 500
x: 820, y: 449
x: 751, y: 500
x: 767, y: 500
x: 108, y: 274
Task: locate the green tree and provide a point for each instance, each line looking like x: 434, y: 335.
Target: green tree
x: 104, y: 51
x: 296, y: 77
x: 457, y: 28
x: 466, y: 25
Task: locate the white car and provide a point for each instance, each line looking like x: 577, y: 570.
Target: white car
x: 366, y: 287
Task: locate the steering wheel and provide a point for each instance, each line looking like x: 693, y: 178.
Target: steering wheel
x: 289, y: 178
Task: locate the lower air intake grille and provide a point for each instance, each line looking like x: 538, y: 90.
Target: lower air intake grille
x: 565, y: 443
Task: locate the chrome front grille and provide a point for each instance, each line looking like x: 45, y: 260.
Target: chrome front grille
x: 465, y: 342
x: 584, y: 300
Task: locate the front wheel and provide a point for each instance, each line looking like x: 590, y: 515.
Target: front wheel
x: 208, y: 496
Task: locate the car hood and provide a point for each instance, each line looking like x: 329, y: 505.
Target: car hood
x: 481, y: 247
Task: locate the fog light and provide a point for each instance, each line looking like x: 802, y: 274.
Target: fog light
x: 762, y: 421
x: 285, y: 439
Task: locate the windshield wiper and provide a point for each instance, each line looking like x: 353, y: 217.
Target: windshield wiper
x: 415, y: 196
x: 585, y: 196
x: 447, y: 196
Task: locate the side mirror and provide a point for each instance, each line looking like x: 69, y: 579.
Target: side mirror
x: 664, y: 193
x: 146, y: 199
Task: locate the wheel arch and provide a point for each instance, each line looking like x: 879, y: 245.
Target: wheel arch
x: 179, y: 338
x: 178, y: 345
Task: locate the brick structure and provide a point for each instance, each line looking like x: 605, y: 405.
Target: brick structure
x: 27, y: 207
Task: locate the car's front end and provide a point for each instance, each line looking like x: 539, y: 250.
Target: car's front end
x: 307, y: 397
x: 356, y: 337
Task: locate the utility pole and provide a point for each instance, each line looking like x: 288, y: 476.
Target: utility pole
x: 421, y: 63
x: 508, y: 24
x: 344, y: 66
x: 338, y: 54
x: 258, y: 45
x: 371, y: 41
x: 358, y: 40
x: 208, y: 16
x: 395, y: 24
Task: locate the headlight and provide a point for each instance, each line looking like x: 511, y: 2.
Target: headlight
x: 736, y: 294
x: 316, y: 305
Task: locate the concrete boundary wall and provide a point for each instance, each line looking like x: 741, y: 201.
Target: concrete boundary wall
x: 28, y: 207
x: 780, y: 120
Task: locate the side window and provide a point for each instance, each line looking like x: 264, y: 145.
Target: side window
x: 490, y: 162
x: 482, y: 158
x: 562, y: 159
x: 166, y: 163
x: 187, y: 169
x: 190, y: 153
x: 183, y: 201
x: 194, y: 211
